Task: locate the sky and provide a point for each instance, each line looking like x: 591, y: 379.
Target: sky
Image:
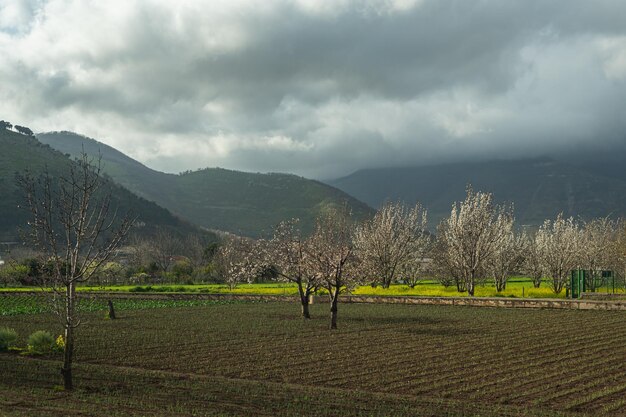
x: 318, y: 88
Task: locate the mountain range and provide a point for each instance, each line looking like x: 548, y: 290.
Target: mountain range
x: 583, y: 186
x: 20, y: 153
x: 214, y: 198
x: 538, y: 188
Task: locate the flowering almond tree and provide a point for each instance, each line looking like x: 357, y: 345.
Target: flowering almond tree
x: 509, y: 254
x: 598, y: 249
x: 619, y: 263
x: 238, y: 260
x: 532, y: 264
x: 289, y: 252
x: 470, y: 237
x: 332, y: 257
x: 558, y: 242
x: 389, y: 240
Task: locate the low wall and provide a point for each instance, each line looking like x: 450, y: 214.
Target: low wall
x: 603, y: 296
x: 494, y: 302
x: 584, y: 304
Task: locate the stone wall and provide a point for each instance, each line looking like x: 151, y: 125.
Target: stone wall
x: 494, y: 302
x: 603, y: 296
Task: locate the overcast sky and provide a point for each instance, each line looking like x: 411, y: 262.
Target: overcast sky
x: 318, y: 88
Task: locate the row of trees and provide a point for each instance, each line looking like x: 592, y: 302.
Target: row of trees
x: 20, y: 129
x: 477, y: 242
x: 165, y: 257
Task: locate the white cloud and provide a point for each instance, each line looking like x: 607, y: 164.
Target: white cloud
x: 613, y: 51
x: 319, y: 88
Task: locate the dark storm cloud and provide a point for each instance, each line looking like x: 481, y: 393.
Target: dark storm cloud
x: 318, y: 88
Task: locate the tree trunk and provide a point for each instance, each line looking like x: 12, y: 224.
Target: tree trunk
x: 111, y: 313
x: 66, y: 371
x: 500, y: 284
x: 68, y: 350
x: 333, y: 309
x: 305, y: 308
x: 304, y: 301
x: 470, y: 287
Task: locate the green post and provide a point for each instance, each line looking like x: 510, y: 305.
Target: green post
x: 577, y: 283
x: 613, y: 279
x: 583, y: 276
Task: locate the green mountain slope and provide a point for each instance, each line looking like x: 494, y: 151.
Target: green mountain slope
x: 19, y: 152
x: 538, y: 188
x: 238, y: 202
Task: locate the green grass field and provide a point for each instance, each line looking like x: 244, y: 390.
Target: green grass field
x: 246, y: 359
x: 517, y: 287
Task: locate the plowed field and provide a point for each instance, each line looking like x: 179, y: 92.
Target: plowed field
x: 262, y: 359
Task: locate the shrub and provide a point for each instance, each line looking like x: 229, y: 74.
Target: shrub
x: 59, y: 344
x: 139, y: 277
x: 14, y: 274
x: 140, y: 289
x: 7, y: 338
x: 182, y: 269
x: 41, y: 342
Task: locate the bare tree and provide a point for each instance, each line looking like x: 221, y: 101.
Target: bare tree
x: 139, y: 253
x: 558, y: 243
x: 388, y: 240
x: 289, y: 252
x: 163, y: 248
x: 73, y: 225
x: 195, y: 249
x: 470, y: 237
x: 508, y: 256
x: 237, y: 261
x: 332, y: 256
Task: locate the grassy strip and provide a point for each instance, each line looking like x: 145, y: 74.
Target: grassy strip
x: 13, y: 306
x: 517, y: 287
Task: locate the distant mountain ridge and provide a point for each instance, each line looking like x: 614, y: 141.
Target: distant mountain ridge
x: 19, y: 153
x: 215, y: 198
x: 539, y: 188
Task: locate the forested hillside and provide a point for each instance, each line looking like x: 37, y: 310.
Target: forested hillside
x: 538, y: 188
x: 214, y: 198
x: 20, y: 153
